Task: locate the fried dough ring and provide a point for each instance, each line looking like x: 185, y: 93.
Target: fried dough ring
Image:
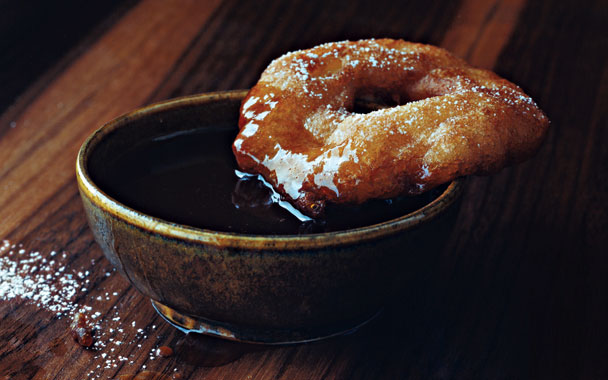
x: 298, y: 130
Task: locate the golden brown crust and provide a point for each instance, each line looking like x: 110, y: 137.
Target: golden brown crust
x: 298, y: 130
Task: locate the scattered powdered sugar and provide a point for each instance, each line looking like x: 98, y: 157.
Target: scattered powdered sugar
x: 45, y: 280
x: 111, y: 333
x: 41, y: 279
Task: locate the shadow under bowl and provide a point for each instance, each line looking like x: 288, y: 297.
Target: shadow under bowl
x: 255, y: 288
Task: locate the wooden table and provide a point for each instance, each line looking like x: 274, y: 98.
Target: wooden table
x: 520, y: 290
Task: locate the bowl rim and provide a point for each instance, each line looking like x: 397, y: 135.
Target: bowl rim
x: 173, y: 230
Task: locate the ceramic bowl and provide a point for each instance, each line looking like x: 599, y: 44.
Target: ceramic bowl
x: 254, y: 288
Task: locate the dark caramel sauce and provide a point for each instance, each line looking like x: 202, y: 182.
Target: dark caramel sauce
x: 189, y: 178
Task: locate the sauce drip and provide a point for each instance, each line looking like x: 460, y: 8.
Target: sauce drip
x: 190, y: 178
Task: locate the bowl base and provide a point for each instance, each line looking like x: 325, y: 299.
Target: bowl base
x: 188, y: 324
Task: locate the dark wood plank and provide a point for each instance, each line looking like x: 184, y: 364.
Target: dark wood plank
x: 519, y: 290
x: 103, y: 83
x: 232, y: 51
x: 36, y: 34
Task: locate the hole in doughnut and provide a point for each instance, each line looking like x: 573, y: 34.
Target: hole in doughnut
x: 372, y: 99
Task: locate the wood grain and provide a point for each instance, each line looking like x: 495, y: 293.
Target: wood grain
x: 520, y: 289
x: 481, y: 29
x: 39, y: 33
x: 103, y: 83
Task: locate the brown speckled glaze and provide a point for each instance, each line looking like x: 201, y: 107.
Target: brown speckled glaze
x: 258, y: 288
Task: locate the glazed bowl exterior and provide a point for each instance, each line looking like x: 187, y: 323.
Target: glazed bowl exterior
x: 260, y: 288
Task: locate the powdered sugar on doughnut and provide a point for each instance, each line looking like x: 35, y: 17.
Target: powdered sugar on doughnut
x: 299, y: 131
